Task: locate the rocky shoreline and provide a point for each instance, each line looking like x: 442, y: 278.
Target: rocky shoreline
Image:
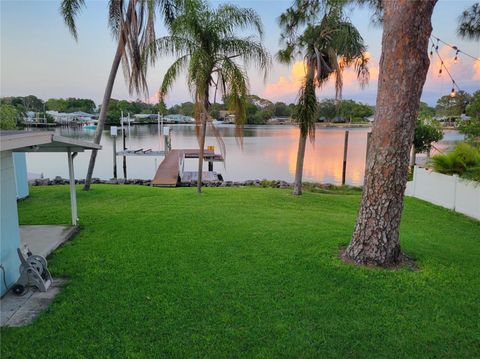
x: 141, y: 182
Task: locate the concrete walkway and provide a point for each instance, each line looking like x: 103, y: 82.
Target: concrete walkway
x: 44, y: 239
x: 16, y: 310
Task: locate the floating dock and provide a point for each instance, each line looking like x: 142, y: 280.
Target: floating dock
x: 170, y: 171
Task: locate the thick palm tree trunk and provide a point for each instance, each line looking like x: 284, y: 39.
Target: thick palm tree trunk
x: 103, y: 111
x: 203, y: 131
x: 297, y: 185
x: 302, y: 141
x: 403, y: 69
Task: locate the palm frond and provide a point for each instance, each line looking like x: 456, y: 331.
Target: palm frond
x: 69, y: 9
x: 306, y: 109
x: 172, y: 74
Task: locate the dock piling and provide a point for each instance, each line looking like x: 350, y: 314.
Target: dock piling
x: 344, y: 167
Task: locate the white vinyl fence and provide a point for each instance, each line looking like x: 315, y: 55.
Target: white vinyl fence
x: 451, y: 192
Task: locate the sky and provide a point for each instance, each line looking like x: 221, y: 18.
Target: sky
x: 38, y: 56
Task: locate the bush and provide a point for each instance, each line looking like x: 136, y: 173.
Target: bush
x: 471, y: 129
x: 464, y: 160
x: 8, y: 117
x: 427, y: 131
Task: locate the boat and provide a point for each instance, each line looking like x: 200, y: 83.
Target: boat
x: 90, y: 126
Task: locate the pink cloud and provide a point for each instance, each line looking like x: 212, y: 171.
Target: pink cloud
x: 289, y: 84
x: 465, y: 71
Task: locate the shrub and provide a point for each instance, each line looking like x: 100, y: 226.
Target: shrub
x: 464, y: 160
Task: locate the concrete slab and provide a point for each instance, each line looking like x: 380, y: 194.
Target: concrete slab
x: 17, y: 311
x: 44, y: 239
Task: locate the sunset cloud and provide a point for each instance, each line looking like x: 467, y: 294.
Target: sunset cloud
x: 465, y: 72
x: 287, y: 86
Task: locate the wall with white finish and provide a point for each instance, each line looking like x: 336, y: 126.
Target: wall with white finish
x: 451, y: 192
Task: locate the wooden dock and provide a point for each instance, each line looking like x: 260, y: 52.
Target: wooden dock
x: 169, y: 172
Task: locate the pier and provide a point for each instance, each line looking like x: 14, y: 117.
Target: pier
x: 170, y: 171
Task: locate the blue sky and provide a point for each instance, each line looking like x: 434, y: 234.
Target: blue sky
x: 39, y: 56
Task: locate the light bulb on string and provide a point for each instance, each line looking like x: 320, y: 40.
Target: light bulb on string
x: 453, y: 93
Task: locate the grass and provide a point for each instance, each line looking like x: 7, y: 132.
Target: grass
x: 247, y: 272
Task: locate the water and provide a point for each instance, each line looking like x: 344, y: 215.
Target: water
x: 268, y: 152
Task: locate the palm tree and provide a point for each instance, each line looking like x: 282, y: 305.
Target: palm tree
x: 132, y: 25
x: 327, y: 47
x: 209, y: 49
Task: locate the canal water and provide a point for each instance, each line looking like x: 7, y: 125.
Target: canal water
x: 266, y: 152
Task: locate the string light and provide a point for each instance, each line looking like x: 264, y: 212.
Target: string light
x: 453, y: 93
x: 457, y: 50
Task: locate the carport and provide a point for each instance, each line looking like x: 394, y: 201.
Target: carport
x: 41, y: 239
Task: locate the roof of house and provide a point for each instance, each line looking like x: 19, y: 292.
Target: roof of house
x: 42, y: 141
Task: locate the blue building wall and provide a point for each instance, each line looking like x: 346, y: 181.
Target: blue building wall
x: 20, y: 163
x: 9, y: 229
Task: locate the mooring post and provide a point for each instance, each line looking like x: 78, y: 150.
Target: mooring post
x: 124, y: 157
x: 115, y: 157
x: 210, y: 166
x: 113, y: 133
x: 345, y: 149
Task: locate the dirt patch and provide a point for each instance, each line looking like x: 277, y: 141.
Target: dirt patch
x: 404, y: 261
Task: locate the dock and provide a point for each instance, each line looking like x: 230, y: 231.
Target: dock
x: 170, y: 171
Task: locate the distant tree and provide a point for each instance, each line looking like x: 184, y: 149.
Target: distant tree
x: 469, y: 23
x: 354, y: 111
x: 281, y: 109
x: 32, y: 103
x: 449, y: 106
x: 471, y: 129
x: 8, y: 117
x: 473, y: 107
x: 24, y: 103
x: 425, y: 110
x: 327, y: 109
x: 80, y: 104
x: 56, y: 104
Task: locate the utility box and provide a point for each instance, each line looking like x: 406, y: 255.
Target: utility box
x: 114, y: 131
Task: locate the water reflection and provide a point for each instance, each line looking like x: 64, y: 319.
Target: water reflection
x: 268, y: 152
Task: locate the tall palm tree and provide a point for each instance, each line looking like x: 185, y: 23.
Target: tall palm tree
x: 132, y: 25
x: 209, y: 49
x: 327, y: 48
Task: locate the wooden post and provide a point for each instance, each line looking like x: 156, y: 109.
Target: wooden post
x: 73, y: 193
x: 345, y: 149
x: 124, y: 157
x: 115, y: 157
x: 210, y: 166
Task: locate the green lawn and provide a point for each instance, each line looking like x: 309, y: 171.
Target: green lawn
x: 247, y: 272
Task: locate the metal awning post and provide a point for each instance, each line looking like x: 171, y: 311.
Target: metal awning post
x: 73, y: 193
